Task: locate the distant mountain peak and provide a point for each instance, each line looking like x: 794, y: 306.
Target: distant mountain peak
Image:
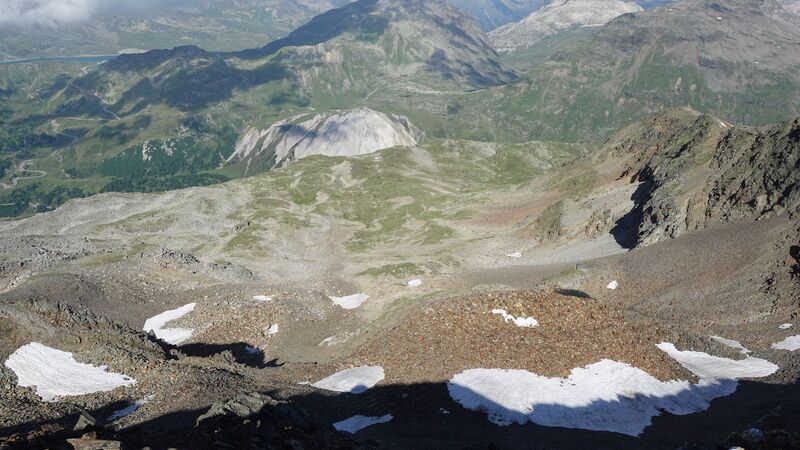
x: 559, y: 15
x: 413, y: 34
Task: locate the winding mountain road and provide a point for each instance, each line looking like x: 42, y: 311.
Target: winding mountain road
x: 23, y: 168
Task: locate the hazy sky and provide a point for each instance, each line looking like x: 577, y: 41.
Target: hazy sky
x: 65, y: 12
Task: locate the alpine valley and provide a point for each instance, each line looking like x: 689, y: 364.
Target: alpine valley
x: 400, y: 224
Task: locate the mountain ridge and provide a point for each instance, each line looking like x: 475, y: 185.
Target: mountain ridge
x: 558, y: 16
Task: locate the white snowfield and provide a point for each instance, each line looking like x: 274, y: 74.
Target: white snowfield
x: 415, y: 283
x: 56, y: 374
x: 262, y: 298
x: 523, y: 322
x: 350, y: 301
x: 355, y: 380
x: 604, y: 396
x: 359, y: 422
x: 172, y: 336
x: 613, y: 285
x: 791, y: 343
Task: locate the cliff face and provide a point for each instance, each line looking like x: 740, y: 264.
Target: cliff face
x: 697, y: 169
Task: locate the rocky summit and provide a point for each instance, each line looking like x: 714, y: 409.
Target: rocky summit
x: 400, y: 224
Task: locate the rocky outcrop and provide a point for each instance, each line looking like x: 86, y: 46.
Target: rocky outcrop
x: 247, y: 421
x: 166, y: 257
x: 558, y: 16
x: 696, y: 169
x: 344, y: 133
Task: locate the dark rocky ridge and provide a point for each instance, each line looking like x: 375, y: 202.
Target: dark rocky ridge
x: 698, y: 170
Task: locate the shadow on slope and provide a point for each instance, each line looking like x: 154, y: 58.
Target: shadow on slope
x: 356, y: 18
x: 426, y: 417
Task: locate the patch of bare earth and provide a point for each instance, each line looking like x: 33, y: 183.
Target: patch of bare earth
x: 450, y: 336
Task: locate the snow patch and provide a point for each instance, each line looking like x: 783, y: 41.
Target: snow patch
x: 130, y: 409
x: 262, y: 298
x: 515, y: 255
x: 706, y: 366
x: 350, y: 301
x: 523, y: 322
x: 357, y: 423
x: 328, y: 341
x: 272, y: 330
x: 731, y: 343
x: 355, y: 380
x: 613, y: 285
x: 604, y: 396
x: 172, y: 336
x: 415, y: 283
x: 784, y: 326
x: 55, y: 373
x: 791, y: 343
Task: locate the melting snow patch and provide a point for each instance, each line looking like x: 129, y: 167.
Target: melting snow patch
x: 55, y: 373
x: 356, y: 423
x: 172, y: 336
x: 444, y: 412
x: 605, y: 396
x: 355, y: 380
x: 272, y: 330
x: 613, y: 285
x: 328, y: 341
x: 415, y: 283
x: 706, y: 366
x: 525, y: 322
x: 515, y: 255
x: 791, y: 343
x: 785, y: 326
x: 262, y: 298
x: 350, y: 301
x: 130, y: 409
x: 731, y: 343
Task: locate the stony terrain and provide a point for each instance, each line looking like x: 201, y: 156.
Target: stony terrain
x: 535, y: 277
x: 404, y: 238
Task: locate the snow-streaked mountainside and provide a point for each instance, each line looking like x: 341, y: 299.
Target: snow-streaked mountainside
x: 344, y: 133
x: 557, y: 16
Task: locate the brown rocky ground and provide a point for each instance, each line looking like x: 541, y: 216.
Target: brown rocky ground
x: 444, y: 338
